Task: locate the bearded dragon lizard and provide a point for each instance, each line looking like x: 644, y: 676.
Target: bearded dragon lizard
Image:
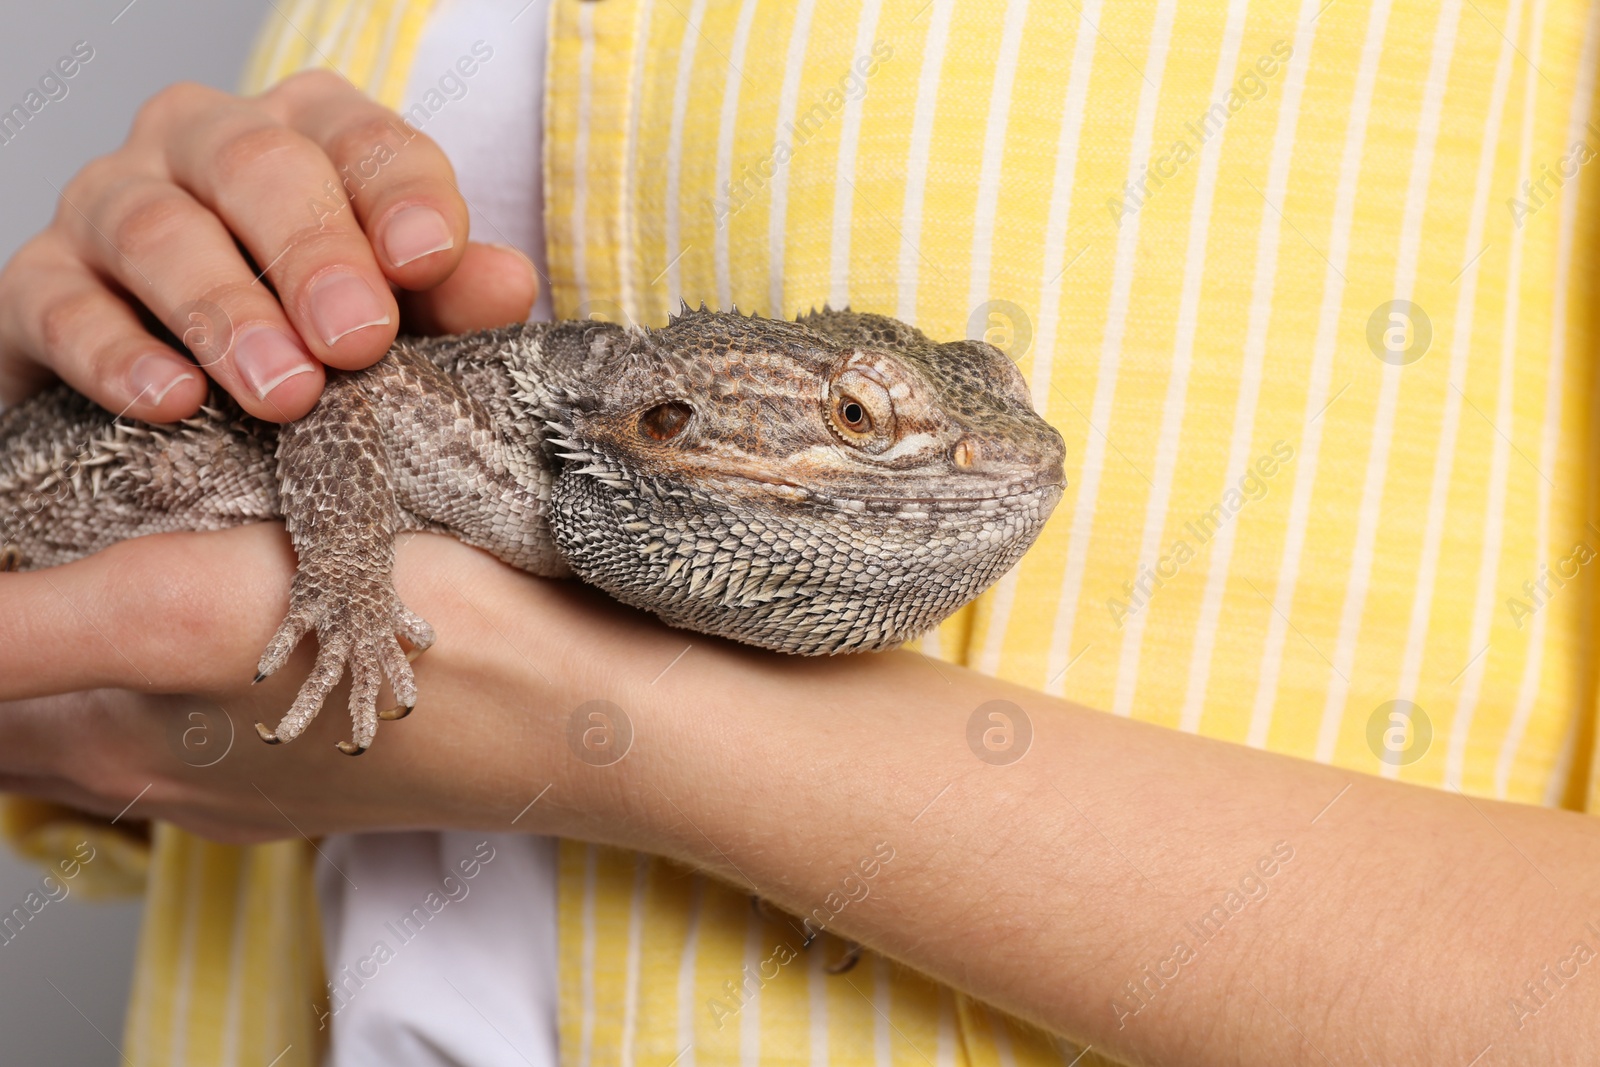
x: 832, y: 484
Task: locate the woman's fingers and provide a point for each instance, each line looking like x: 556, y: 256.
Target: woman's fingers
x: 54, y: 788
x: 400, y: 183
x: 266, y: 234
x: 178, y: 259
x: 165, y: 614
x: 493, y: 285
x: 282, y: 196
x: 89, y: 335
x: 128, y: 757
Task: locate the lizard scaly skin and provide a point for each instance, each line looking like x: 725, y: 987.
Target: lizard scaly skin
x: 833, y: 484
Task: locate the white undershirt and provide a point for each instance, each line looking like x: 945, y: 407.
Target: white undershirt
x: 432, y: 965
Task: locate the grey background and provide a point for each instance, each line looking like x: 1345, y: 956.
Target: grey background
x: 86, y: 949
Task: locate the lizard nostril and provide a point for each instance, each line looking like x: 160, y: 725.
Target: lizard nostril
x: 964, y: 454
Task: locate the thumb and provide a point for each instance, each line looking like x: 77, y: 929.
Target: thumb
x: 494, y: 285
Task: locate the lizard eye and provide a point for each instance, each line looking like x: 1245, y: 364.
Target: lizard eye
x: 861, y: 412
x: 665, y: 421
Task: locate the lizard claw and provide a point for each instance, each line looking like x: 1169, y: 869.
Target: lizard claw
x: 852, y: 956
x: 359, y: 629
x: 267, y: 735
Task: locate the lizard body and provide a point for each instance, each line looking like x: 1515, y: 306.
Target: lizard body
x: 833, y: 484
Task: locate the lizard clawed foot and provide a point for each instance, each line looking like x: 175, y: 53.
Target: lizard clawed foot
x: 356, y: 628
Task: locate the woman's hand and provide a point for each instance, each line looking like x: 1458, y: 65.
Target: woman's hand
x: 190, y: 613
x: 265, y: 233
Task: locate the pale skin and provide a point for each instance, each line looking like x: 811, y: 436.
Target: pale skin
x: 1397, y: 931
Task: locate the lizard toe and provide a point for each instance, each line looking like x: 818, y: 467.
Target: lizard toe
x: 397, y: 668
x: 290, y: 633
x: 365, y: 677
x: 413, y: 627
x: 324, y: 676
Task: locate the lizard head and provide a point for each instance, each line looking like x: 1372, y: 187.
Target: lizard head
x: 836, y: 483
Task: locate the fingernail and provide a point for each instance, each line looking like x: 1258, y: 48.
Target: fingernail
x: 341, y: 304
x: 520, y: 254
x: 415, y: 232
x: 513, y: 249
x: 153, y: 377
x: 266, y: 359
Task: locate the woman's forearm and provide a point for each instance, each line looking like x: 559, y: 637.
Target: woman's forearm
x: 1166, y: 897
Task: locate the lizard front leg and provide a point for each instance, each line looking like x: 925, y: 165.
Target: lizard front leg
x: 338, y: 502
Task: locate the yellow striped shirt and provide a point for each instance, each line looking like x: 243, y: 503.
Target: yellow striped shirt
x: 1300, y: 515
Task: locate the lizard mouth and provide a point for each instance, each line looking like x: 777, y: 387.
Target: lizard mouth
x: 794, y: 491
x: 1007, y: 494
x: 1013, y: 492
x: 797, y: 491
